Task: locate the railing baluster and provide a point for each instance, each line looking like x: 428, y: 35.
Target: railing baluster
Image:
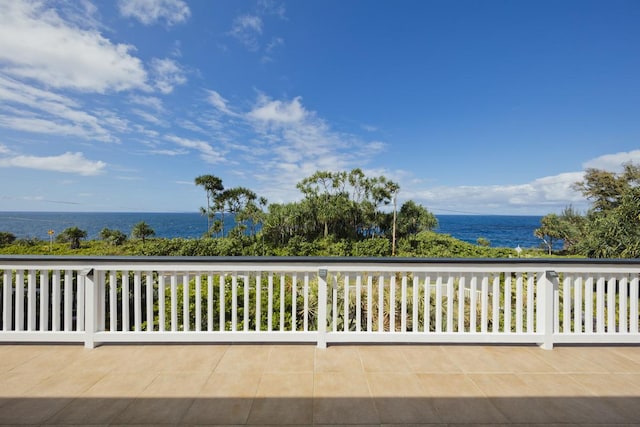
x: 186, y: 301
x: 484, y: 304
x: 427, y: 304
x: 358, y: 302
x: 346, y: 303
x: 68, y: 300
x: 473, y: 304
x: 125, y: 301
x: 259, y: 301
x: 633, y: 312
x: 414, y: 316
x: 149, y: 301
x: 174, y: 302
x: 519, y: 303
x: 80, y: 303
x: 622, y: 296
x: 611, y: 305
x: 7, y: 300
x: 44, y: 300
x: 600, y: 305
x: 334, y: 304
x: 531, y: 280
x: 234, y: 302
x: 210, y: 302
x: 31, y: 300
x: 306, y: 302
x: 507, y: 302
x: 113, y: 301
x: 198, y: 302
x: 19, y: 309
x: 245, y: 308
x: 450, y: 303
x: 137, y: 301
x: 270, y: 302
x: 369, y: 302
x: 439, y: 303
x: 566, y: 304
x: 161, y: 302
x: 577, y: 304
x: 462, y: 285
x: 55, y: 295
x: 588, y: 305
x: 496, y: 303
x: 221, y: 315
x: 381, y: 303
x: 403, y: 303
x: 282, y: 300
x: 392, y: 303
x: 294, y: 296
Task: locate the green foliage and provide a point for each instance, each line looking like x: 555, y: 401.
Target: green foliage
x: 114, y: 237
x: 482, y: 241
x: 611, y: 228
x: 6, y: 238
x: 414, y: 218
x: 142, y: 230
x: 435, y: 245
x: 72, y: 235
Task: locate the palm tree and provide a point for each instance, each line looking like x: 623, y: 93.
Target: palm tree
x: 73, y: 236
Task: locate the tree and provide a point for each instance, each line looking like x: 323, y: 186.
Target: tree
x: 142, y: 230
x: 213, y: 188
x: 549, y: 231
x: 72, y: 235
x: 605, y: 189
x: 114, y: 237
x: 414, y: 218
x: 6, y: 238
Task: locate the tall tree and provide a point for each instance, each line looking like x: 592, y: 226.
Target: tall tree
x: 142, y: 230
x: 414, y: 218
x: 213, y: 188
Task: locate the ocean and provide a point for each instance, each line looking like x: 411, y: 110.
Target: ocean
x: 500, y: 230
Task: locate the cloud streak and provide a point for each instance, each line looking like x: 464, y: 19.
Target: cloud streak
x: 68, y: 162
x: 150, y: 12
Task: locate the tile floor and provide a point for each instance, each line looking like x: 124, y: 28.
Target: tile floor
x: 301, y: 385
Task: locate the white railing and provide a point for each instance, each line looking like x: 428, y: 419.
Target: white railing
x: 322, y: 300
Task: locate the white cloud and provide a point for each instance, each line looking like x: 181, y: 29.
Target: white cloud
x: 151, y: 11
x: 540, y: 196
x: 278, y: 112
x: 148, y: 101
x: 67, y: 162
x: 219, y: 102
x: 207, y: 152
x: 37, y: 43
x: 148, y: 117
x: 167, y: 74
x: 61, y: 112
x: 613, y: 162
x: 246, y: 29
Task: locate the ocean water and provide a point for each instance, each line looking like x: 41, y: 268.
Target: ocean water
x: 500, y: 230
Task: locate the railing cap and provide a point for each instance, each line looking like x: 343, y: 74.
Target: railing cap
x: 7, y: 259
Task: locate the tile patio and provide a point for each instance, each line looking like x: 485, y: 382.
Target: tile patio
x: 301, y: 385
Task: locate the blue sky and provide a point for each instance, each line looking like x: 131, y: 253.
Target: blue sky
x: 491, y: 107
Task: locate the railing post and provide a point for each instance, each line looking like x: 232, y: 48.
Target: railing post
x: 322, y: 308
x: 90, y: 308
x: 546, y: 310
